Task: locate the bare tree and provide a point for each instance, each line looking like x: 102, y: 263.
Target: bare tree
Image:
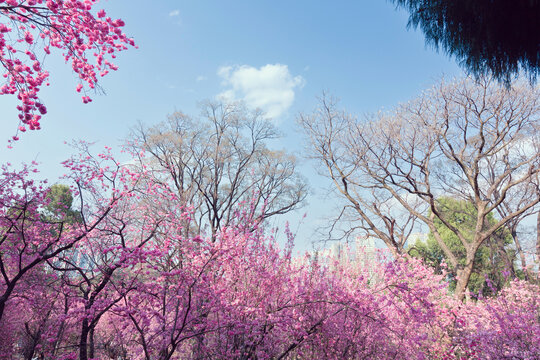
x: 220, y: 160
x: 335, y: 141
x: 470, y: 140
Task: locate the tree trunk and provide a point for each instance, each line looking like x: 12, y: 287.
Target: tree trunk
x: 464, y: 275
x: 35, y: 339
x: 522, y: 257
x: 91, y: 343
x: 60, y: 332
x: 2, y: 306
x: 83, y: 344
x: 4, y: 298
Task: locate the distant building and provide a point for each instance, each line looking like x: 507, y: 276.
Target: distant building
x: 361, y: 251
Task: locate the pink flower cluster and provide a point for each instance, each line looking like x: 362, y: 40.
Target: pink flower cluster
x: 32, y: 27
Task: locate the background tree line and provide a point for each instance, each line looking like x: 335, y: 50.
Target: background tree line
x: 460, y: 161
x: 167, y: 255
x: 119, y: 280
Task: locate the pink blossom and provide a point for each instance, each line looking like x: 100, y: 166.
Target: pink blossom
x: 77, y: 33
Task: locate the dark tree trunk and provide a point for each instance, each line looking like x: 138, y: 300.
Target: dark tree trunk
x: 83, y: 343
x: 91, y: 343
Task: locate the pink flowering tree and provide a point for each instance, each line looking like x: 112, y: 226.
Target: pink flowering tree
x: 78, y: 258
x: 240, y: 296
x: 35, y: 316
x: 106, y: 265
x: 31, y: 29
x: 27, y: 240
x: 172, y: 306
x: 182, y: 304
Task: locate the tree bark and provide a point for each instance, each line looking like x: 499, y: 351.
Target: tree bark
x: 4, y: 298
x: 464, y: 275
x: 83, y: 343
x: 91, y: 342
x: 522, y: 257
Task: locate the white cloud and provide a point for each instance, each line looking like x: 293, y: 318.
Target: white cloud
x: 201, y: 78
x: 270, y: 88
x: 175, y: 12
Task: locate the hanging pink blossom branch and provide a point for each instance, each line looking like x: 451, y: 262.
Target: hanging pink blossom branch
x: 29, y: 29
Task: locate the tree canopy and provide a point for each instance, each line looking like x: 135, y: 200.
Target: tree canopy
x: 496, y: 36
x: 59, y: 206
x: 219, y: 160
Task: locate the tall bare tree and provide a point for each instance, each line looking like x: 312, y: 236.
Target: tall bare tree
x: 219, y: 160
x: 343, y: 156
x: 515, y: 224
x: 471, y: 140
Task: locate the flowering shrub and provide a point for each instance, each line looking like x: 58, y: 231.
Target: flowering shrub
x: 502, y: 327
x: 121, y: 280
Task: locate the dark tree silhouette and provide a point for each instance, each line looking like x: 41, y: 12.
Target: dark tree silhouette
x: 497, y: 36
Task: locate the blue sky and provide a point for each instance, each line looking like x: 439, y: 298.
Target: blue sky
x: 278, y: 55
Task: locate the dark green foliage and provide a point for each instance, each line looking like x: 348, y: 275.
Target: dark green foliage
x: 59, y: 207
x: 486, y: 36
x: 493, y: 263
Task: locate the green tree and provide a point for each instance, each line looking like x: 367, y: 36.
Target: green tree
x: 493, y: 262
x: 59, y: 205
x: 497, y: 36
